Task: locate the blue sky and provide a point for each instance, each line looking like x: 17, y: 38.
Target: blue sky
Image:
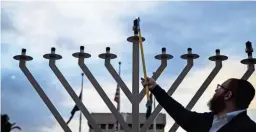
x: 38, y: 26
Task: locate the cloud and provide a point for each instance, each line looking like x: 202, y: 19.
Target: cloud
x: 67, y: 25
x: 43, y: 25
x: 64, y: 25
x: 6, y: 23
x: 16, y: 101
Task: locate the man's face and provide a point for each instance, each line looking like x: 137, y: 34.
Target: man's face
x: 221, y: 96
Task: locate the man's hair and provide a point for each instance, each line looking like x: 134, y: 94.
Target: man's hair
x: 244, y: 93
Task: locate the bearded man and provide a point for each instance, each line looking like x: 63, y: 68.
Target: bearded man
x: 228, y: 108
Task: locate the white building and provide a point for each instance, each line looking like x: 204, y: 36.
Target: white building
x: 107, y: 122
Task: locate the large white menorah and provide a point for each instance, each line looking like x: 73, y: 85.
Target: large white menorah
x: 136, y: 96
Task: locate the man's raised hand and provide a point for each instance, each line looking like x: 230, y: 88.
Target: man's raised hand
x: 151, y: 83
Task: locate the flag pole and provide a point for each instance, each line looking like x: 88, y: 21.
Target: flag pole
x: 118, y: 98
x: 118, y: 104
x: 156, y: 116
x: 119, y: 72
x: 80, y: 119
x: 154, y: 109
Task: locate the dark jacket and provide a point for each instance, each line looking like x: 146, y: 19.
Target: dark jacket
x: 200, y: 122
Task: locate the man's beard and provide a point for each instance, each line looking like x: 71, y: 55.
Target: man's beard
x: 217, y: 104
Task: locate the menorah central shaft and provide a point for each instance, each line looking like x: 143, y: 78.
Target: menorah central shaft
x: 135, y: 87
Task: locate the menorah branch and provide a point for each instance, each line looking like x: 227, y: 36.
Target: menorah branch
x: 103, y: 95
x: 118, y: 79
x: 218, y: 65
x: 155, y: 76
x: 197, y: 96
x: 249, y: 72
x: 74, y: 96
x: 160, y: 70
x: 23, y: 58
x: 174, y: 86
x: 204, y: 86
x: 181, y: 77
x: 163, y: 57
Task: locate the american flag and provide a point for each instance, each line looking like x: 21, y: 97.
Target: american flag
x: 117, y: 100
x: 117, y: 95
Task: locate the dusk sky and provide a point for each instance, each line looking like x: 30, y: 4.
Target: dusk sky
x: 38, y: 26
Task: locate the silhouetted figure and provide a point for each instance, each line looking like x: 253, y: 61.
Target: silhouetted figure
x: 6, y: 126
x: 228, y: 108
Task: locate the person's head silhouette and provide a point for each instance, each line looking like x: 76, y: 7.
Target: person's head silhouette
x: 233, y: 94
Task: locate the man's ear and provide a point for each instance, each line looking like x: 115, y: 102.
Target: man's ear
x: 228, y: 95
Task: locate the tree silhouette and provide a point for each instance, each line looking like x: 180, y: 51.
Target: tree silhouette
x: 6, y: 125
